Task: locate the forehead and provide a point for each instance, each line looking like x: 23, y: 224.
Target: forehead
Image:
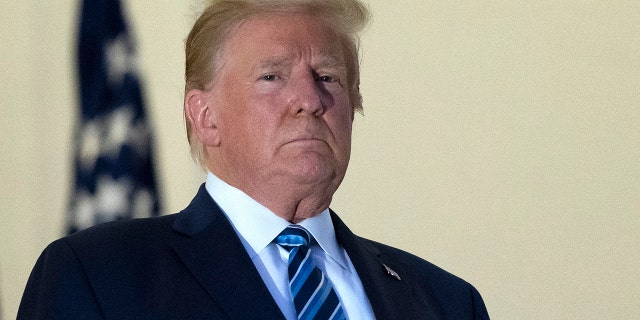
x: 284, y: 37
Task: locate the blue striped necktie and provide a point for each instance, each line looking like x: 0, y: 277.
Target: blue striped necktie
x: 312, y: 292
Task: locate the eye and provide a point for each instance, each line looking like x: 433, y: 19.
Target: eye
x: 269, y: 77
x: 325, y: 79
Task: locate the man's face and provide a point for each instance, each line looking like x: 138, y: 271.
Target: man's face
x: 282, y: 106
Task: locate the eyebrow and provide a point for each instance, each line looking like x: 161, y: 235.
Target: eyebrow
x: 274, y: 62
x: 331, y: 61
x: 328, y: 61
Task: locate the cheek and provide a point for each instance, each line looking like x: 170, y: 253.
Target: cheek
x: 341, y: 122
x: 345, y: 113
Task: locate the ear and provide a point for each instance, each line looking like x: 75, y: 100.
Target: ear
x: 198, y: 108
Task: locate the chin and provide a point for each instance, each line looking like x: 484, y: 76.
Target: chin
x: 313, y: 168
x: 312, y: 172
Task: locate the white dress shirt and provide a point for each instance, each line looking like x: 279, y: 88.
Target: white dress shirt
x: 257, y: 226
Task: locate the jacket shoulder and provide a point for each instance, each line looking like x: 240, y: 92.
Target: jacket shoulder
x: 125, y: 246
x: 124, y: 228
x: 458, y: 298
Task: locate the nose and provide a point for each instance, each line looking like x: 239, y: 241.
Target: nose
x: 306, y: 96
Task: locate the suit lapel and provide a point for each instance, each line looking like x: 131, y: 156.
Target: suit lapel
x: 388, y: 288
x: 212, y: 251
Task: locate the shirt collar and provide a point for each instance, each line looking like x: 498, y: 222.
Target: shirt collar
x: 257, y: 226
x: 321, y: 228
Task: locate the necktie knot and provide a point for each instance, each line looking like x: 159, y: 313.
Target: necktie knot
x: 293, y: 236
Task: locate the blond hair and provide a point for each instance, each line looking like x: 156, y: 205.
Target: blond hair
x: 210, y: 31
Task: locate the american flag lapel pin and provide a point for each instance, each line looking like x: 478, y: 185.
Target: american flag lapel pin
x: 391, y: 272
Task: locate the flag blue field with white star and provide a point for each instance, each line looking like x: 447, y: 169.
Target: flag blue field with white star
x: 114, y: 169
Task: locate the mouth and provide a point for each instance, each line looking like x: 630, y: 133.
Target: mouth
x: 305, y: 141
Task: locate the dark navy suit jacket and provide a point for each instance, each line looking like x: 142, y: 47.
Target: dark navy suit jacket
x: 192, y: 265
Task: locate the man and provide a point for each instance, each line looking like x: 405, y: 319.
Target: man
x: 271, y: 91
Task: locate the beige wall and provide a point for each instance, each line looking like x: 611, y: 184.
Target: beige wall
x: 502, y: 137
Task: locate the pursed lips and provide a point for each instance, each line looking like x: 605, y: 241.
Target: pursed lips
x: 308, y: 135
x: 306, y: 140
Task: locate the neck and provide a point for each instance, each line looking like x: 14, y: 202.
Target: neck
x: 287, y: 199
x: 293, y: 204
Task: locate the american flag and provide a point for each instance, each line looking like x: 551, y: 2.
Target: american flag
x: 114, y: 169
